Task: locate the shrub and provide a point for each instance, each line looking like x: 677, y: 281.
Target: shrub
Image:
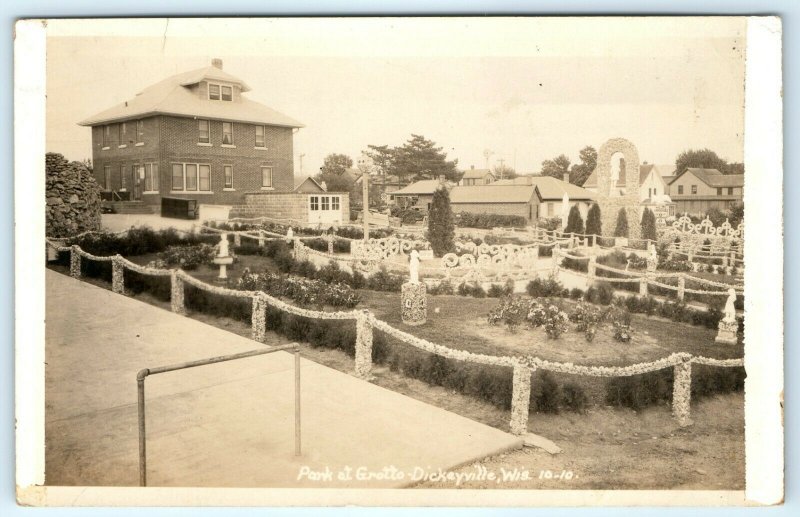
x: 546, y: 393
x: 649, y: 225
x: 621, y: 230
x: 544, y: 288
x: 512, y: 312
x: 443, y: 287
x: 436, y: 370
x: 301, y: 290
x: 601, y: 293
x: 576, y: 293
x: 195, y: 299
x: 638, y: 391
x: 475, y: 290
x: 186, y: 257
x: 586, y: 318
x: 575, y: 264
x: 382, y: 280
x: 158, y: 286
x: 441, y: 229
x: 574, y: 221
x: 594, y: 224
x: 471, y: 220
x: 574, y: 398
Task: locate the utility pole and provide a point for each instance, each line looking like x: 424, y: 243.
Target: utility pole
x: 502, y: 167
x: 486, y: 154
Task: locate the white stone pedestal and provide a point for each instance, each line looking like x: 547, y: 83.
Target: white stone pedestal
x: 223, y: 263
x: 727, y: 332
x: 414, y: 303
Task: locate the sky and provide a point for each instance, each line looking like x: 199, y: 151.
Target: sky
x: 527, y: 89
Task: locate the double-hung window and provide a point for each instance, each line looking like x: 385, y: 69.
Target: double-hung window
x: 260, y: 139
x: 228, y: 176
x: 227, y: 133
x: 107, y: 177
x: 227, y: 93
x: 680, y: 189
x: 151, y: 177
x: 730, y: 191
x: 123, y: 130
x: 140, y: 131
x: 106, y: 135
x: 203, y: 131
x: 694, y: 189
x: 266, y: 177
x: 218, y: 92
x: 213, y: 92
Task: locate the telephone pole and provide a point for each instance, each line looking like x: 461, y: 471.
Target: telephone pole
x: 365, y: 208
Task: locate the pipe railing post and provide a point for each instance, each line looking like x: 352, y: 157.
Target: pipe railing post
x: 297, y: 435
x: 74, y: 261
x: 176, y: 292
x: 643, y: 285
x: 520, y: 399
x: 260, y: 238
x: 592, y: 268
x: 237, y: 239
x: 363, y: 358
x: 117, y: 275
x: 330, y: 244
x: 140, y: 377
x: 681, y: 287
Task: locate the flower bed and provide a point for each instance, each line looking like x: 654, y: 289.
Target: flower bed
x: 187, y: 258
x: 303, y: 291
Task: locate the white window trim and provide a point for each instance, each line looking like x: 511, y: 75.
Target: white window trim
x: 106, y: 148
x: 155, y: 179
x: 185, y: 190
x: 233, y: 145
x: 228, y: 146
x: 224, y: 179
x: 227, y: 189
x: 123, y: 146
x: 205, y: 144
x: 208, y: 92
x: 267, y: 188
x: 139, y: 144
x: 261, y: 148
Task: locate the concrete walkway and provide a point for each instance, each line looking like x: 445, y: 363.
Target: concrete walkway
x: 225, y: 425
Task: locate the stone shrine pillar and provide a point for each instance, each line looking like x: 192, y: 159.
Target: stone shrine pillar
x: 413, y: 295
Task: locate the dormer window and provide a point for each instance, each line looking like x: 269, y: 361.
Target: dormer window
x: 218, y: 92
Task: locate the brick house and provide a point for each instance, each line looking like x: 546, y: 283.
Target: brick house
x: 308, y: 204
x: 194, y: 135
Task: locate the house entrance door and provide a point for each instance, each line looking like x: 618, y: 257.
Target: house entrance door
x: 137, y: 181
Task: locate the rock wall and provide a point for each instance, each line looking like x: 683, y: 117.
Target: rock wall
x: 72, y: 197
x: 610, y: 204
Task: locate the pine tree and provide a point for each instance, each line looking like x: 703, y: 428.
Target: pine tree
x: 594, y: 225
x: 574, y: 221
x: 622, y: 224
x: 441, y: 230
x: 648, y: 225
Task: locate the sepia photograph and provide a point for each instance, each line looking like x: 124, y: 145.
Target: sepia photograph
x: 444, y: 255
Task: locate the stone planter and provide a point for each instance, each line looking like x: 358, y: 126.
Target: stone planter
x: 414, y: 303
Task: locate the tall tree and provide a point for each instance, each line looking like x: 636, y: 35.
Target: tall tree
x: 382, y: 158
x: 701, y: 158
x: 574, y: 221
x: 556, y: 167
x: 441, y: 228
x: 594, y: 224
x: 581, y: 171
x: 332, y: 173
x: 419, y: 158
x: 504, y: 171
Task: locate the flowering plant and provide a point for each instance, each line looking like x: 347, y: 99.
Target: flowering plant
x: 555, y: 322
x: 586, y: 317
x: 185, y: 257
x: 301, y: 290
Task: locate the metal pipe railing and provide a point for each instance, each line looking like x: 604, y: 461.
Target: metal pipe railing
x: 145, y: 372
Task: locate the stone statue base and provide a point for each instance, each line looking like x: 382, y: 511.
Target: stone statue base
x: 727, y: 332
x: 223, y: 263
x: 414, y: 303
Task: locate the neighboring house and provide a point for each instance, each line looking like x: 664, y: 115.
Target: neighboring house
x: 551, y: 192
x: 519, y: 200
x: 194, y: 135
x: 696, y: 190
x: 418, y: 195
x: 308, y: 204
x: 653, y: 189
x: 473, y: 177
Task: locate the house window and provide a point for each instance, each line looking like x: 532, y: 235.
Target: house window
x: 227, y: 133
x: 123, y: 177
x: 106, y: 135
x: 177, y: 176
x: 123, y: 129
x: 140, y: 131
x: 730, y: 191
x: 314, y: 203
x: 680, y: 189
x: 260, y: 141
x: 203, y: 135
x: 326, y: 203
x: 107, y: 176
x: 335, y: 203
x: 191, y: 177
x: 228, y: 176
x: 549, y: 209
x: 719, y: 191
x: 151, y: 177
x: 205, y: 177
x: 266, y: 176
x: 218, y: 92
x: 694, y: 189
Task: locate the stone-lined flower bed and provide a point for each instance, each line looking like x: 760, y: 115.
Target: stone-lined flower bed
x: 313, y: 293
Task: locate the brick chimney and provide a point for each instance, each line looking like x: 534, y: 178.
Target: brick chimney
x: 472, y: 167
x: 216, y: 63
x: 566, y: 177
